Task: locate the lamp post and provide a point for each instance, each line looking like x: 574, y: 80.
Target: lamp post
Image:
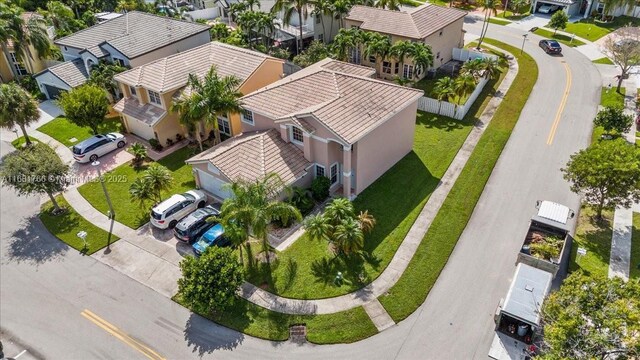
x: 112, y: 214
x: 524, y: 38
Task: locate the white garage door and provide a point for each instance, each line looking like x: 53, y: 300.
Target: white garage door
x: 213, y: 185
x: 140, y: 128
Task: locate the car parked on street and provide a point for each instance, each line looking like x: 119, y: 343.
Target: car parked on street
x: 94, y: 147
x: 550, y: 46
x: 548, y: 8
x: 214, y: 236
x: 169, y: 212
x: 192, y: 226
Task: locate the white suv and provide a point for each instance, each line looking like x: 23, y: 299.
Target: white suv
x: 169, y: 212
x: 96, y: 146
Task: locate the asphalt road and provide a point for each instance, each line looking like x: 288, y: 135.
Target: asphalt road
x: 60, y: 304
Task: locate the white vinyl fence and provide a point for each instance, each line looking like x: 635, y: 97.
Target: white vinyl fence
x: 207, y: 14
x: 450, y: 109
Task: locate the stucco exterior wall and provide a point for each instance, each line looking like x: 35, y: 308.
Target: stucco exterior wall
x: 179, y: 46
x: 373, y: 160
x: 6, y: 74
x: 167, y: 128
x: 69, y: 53
x: 443, y: 44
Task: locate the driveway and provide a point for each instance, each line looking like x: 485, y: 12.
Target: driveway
x: 535, y: 20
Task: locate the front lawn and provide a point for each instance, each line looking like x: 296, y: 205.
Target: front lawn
x: 119, y: 179
x: 436, y: 247
x: 595, y: 237
x: 593, y: 30
x: 67, y: 225
x: 634, y: 268
x: 499, y: 21
x: 603, y: 61
x: 427, y: 85
x: 64, y: 130
x: 19, y: 142
x: 342, y: 327
x: 559, y: 37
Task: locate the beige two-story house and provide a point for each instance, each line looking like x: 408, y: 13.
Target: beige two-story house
x: 149, y: 90
x: 437, y: 26
x: 331, y: 119
x: 131, y: 40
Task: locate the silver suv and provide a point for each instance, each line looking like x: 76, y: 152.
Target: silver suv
x: 96, y: 146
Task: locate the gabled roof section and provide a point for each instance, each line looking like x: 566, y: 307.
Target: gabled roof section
x: 133, y: 34
x: 173, y: 71
x: 348, y: 105
x: 251, y: 156
x: 344, y: 67
x: 73, y: 73
x: 416, y: 23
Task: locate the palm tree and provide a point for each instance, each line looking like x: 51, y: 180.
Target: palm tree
x: 17, y: 108
x: 473, y: 67
x: 367, y: 221
x: 339, y: 209
x: 247, y: 21
x: 266, y: 24
x: 60, y: 16
x: 391, y: 4
x: 236, y: 234
x: 340, y: 9
x: 422, y: 57
x: 348, y: 236
x: 292, y: 7
x: 378, y: 46
x: 159, y: 179
x: 139, y: 153
x: 444, y: 89
x: 102, y: 76
x: 318, y: 228
x: 14, y: 29
x: 400, y: 50
x: 463, y: 86
x: 209, y: 98
x: 489, y: 7
x: 140, y: 191
x: 255, y: 205
x: 343, y: 43
x: 322, y: 8
x: 491, y: 68
x: 251, y: 3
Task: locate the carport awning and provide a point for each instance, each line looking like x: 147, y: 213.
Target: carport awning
x: 557, y: 2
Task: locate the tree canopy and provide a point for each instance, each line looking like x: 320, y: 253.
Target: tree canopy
x: 607, y: 173
x: 592, y: 318
x: 17, y: 108
x: 558, y: 21
x: 86, y: 105
x: 613, y: 118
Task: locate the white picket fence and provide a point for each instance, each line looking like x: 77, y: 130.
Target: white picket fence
x: 454, y: 110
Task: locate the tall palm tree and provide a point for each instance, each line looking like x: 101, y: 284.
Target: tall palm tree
x: 60, y: 16
x: 400, y: 50
x: 22, y: 34
x: 463, y: 86
x: 422, y: 58
x: 489, y: 7
x: 378, y: 46
x: 292, y: 8
x: 343, y: 43
x: 391, y: 4
x: 321, y: 9
x: 256, y: 205
x: 236, y: 234
x: 340, y: 9
x: 17, y: 108
x: 247, y: 21
x: 348, y: 236
x: 159, y: 179
x: 266, y: 24
x: 209, y: 98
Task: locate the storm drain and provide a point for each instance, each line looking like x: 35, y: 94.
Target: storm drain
x: 298, y: 333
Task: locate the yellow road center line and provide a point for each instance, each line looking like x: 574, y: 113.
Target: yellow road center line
x: 120, y: 335
x: 556, y: 122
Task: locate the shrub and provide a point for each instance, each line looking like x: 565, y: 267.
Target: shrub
x: 155, y: 144
x: 301, y: 199
x: 320, y: 188
x: 139, y: 154
x: 169, y: 142
x: 179, y: 137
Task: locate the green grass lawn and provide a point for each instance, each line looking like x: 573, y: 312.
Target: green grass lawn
x: 559, y: 37
x: 608, y: 97
x: 634, y: 268
x: 604, y: 60
x: 119, y: 179
x: 593, y: 30
x: 67, y: 225
x: 595, y: 237
x: 436, y: 247
x: 64, y: 130
x: 427, y: 85
x: 499, y: 21
x: 511, y: 16
x: 19, y: 142
x: 342, y: 327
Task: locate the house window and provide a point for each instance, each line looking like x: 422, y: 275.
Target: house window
x: 133, y: 90
x: 321, y: 38
x: 154, y: 97
x: 320, y: 171
x: 372, y: 59
x: 334, y: 173
x: 407, y: 71
x: 119, y: 61
x: 247, y: 117
x: 386, y: 67
x: 355, y: 56
x: 17, y: 65
x: 318, y: 19
x: 224, y: 126
x: 397, y: 69
x: 296, y: 135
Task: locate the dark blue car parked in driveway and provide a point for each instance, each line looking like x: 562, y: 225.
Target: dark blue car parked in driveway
x: 214, y: 236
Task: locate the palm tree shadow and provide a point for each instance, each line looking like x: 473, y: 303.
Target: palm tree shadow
x: 34, y: 244
x: 291, y: 272
x: 205, y: 337
x: 324, y: 270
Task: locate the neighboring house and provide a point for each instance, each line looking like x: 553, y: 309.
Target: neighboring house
x: 331, y: 119
x: 149, y: 89
x: 571, y: 7
x: 12, y: 68
x: 437, y: 26
x: 130, y: 40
